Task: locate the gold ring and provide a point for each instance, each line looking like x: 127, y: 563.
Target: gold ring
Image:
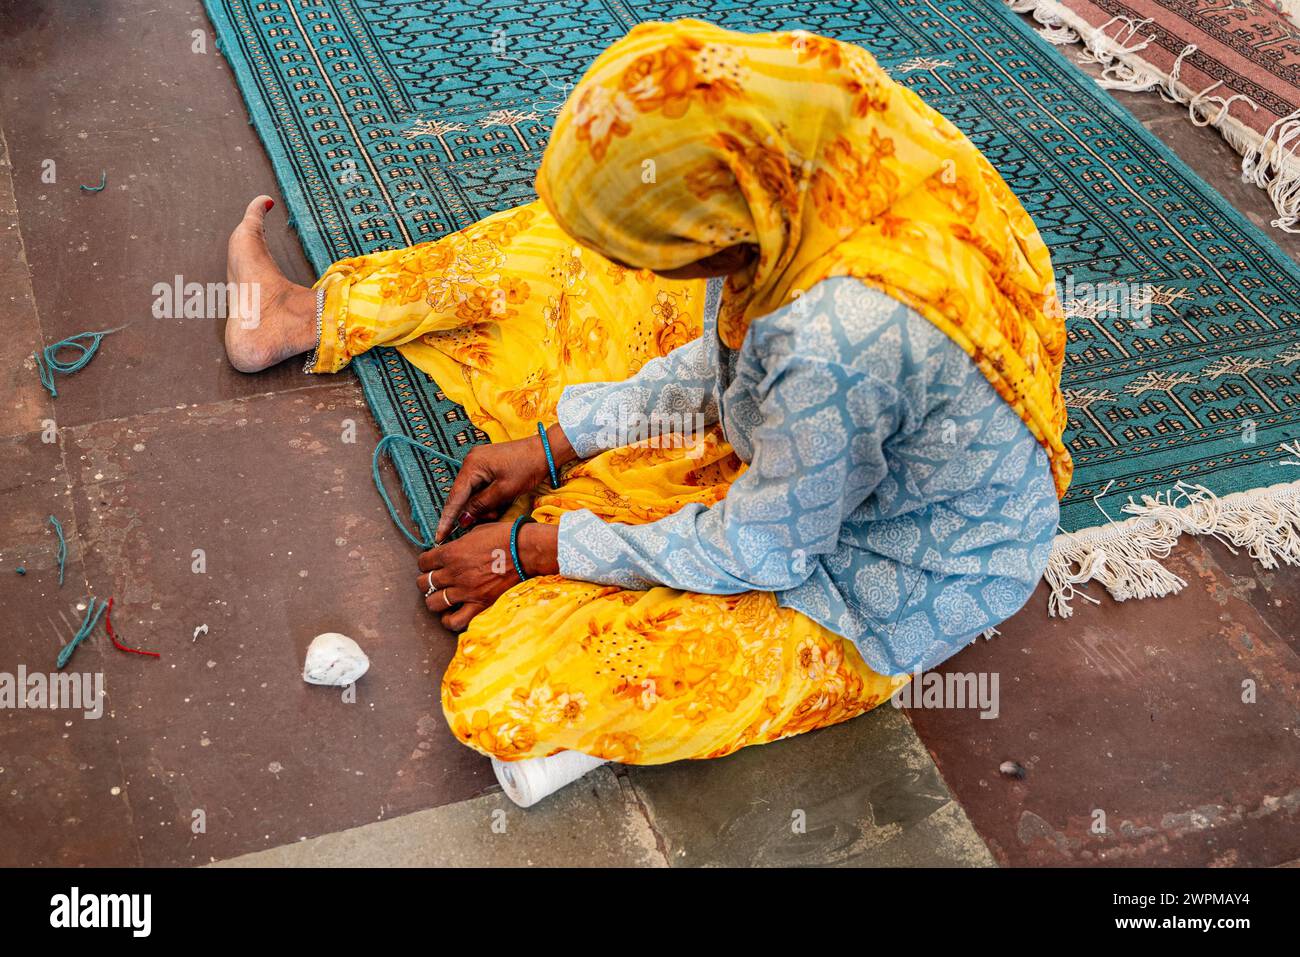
x: 445, y: 598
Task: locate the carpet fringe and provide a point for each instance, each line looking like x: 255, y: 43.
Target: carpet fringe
x: 1054, y: 29
x: 1269, y: 161
x: 1291, y: 8
x: 1126, y: 557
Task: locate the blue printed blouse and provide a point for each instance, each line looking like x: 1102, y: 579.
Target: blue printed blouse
x: 891, y: 495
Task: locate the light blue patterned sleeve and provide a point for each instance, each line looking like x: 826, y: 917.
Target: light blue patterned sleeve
x: 816, y: 454
x: 676, y: 393
x: 672, y: 394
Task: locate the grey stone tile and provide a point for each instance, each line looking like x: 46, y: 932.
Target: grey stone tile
x: 25, y: 403
x: 114, y: 88
x: 295, y: 542
x: 863, y: 793
x: 595, y: 822
x: 58, y: 765
x: 1139, y: 745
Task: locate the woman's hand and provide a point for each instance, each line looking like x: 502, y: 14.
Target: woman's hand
x: 469, y: 574
x: 493, y: 476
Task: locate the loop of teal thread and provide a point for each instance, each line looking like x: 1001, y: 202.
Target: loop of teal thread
x: 103, y: 181
x: 384, y: 443
x: 52, y: 363
x: 87, y: 626
x: 63, y: 546
x: 47, y: 376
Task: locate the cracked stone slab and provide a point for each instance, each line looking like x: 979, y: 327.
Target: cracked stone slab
x: 26, y: 403
x: 1152, y: 733
x: 863, y: 793
x: 116, y: 89
x: 593, y: 823
x: 58, y: 766
x: 218, y: 748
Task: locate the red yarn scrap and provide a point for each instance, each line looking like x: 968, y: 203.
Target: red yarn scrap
x: 108, y: 624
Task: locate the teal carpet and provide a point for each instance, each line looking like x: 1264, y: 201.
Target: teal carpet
x: 392, y: 123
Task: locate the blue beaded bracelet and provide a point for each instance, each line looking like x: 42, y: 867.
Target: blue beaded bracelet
x: 550, y: 459
x: 514, y: 546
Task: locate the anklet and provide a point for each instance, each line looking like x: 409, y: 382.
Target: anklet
x: 320, y: 312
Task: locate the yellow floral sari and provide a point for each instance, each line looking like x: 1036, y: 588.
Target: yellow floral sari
x: 639, y: 677
x: 681, y: 140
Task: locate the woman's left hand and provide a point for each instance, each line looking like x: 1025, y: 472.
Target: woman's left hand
x: 468, y: 574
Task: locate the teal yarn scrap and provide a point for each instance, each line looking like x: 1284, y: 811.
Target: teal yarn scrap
x: 397, y: 438
x: 93, y: 615
x: 48, y: 361
x: 103, y: 181
x: 63, y: 547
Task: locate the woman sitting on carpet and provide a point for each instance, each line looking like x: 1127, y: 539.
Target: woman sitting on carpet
x: 873, y: 481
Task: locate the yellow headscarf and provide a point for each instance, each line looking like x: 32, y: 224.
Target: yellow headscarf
x: 683, y: 139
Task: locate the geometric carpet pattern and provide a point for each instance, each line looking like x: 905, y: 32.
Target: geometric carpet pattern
x: 391, y: 123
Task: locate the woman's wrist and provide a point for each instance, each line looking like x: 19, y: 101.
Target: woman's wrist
x: 561, y: 448
x: 561, y: 453
x: 539, y: 547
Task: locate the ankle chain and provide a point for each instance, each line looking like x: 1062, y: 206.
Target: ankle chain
x: 320, y: 312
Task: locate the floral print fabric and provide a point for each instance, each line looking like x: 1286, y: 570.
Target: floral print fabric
x: 509, y: 312
x: 642, y: 676
x: 647, y: 677
x: 504, y: 314
x: 890, y: 494
x: 697, y: 138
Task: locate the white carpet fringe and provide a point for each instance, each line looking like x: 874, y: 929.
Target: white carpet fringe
x: 1055, y: 30
x: 1268, y: 161
x: 1291, y: 8
x: 1126, y: 557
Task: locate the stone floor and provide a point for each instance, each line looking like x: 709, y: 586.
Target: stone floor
x: 1126, y: 714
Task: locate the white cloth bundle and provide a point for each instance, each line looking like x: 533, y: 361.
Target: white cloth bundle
x: 527, y: 782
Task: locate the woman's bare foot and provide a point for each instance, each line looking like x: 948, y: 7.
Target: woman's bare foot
x: 268, y: 318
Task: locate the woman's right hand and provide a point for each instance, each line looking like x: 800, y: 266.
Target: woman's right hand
x: 493, y: 476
